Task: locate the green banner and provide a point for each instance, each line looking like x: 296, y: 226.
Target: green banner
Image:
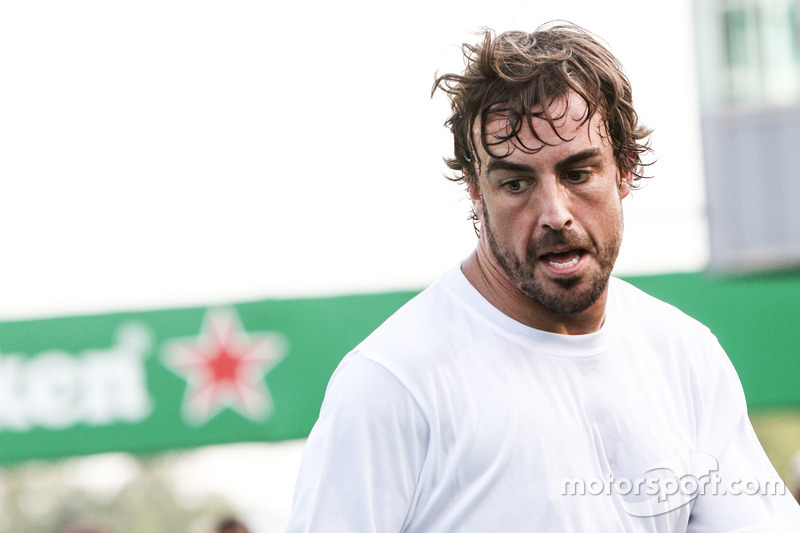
x: 151, y: 381
x: 158, y: 380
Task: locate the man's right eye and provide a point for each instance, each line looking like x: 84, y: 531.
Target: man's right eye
x: 516, y: 185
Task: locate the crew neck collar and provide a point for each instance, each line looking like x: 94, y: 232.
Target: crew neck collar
x: 554, y: 344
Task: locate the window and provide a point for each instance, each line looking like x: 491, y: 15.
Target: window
x: 761, y: 53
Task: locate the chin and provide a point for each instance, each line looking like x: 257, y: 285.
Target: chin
x: 566, y: 296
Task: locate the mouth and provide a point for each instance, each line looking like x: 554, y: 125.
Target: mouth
x: 563, y: 263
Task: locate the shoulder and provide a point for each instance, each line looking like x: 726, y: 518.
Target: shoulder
x: 432, y: 333
x: 684, y: 352
x: 649, y: 312
x: 363, y: 388
x: 423, y: 331
x: 675, y: 339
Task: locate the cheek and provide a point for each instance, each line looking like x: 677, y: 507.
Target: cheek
x: 608, y: 218
x: 511, y: 227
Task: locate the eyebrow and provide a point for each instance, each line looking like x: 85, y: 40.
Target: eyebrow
x: 580, y: 157
x: 504, y: 164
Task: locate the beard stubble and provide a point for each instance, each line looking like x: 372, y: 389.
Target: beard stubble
x: 567, y: 298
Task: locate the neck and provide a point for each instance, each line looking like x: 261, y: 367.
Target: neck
x: 490, y: 280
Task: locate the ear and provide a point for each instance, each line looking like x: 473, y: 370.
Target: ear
x: 625, y: 183
x: 474, y: 192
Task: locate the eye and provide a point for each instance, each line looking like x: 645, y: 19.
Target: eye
x: 577, y: 176
x: 517, y: 185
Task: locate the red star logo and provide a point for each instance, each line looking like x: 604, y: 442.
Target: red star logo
x: 225, y: 367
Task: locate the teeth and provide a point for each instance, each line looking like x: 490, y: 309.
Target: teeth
x: 571, y: 262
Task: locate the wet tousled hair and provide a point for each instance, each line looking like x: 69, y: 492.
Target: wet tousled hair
x: 513, y: 73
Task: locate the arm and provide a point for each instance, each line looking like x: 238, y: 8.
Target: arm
x: 745, y: 494
x: 364, y: 456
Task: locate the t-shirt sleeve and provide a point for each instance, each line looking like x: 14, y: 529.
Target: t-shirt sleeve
x: 745, y: 493
x: 364, y: 457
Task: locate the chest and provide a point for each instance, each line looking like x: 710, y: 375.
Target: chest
x: 531, y: 422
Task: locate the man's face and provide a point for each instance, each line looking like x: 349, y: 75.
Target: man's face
x: 552, y: 220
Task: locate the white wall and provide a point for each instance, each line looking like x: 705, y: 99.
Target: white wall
x: 166, y: 153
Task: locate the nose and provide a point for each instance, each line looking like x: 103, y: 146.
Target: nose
x: 553, y: 204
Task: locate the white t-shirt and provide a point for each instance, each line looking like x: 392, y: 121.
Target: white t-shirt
x: 453, y: 417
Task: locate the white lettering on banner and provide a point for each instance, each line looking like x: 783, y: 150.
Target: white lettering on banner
x: 56, y: 390
x: 12, y: 409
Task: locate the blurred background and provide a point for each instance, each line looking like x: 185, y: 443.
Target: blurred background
x: 205, y: 205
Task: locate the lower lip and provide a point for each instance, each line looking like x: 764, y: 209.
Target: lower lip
x: 559, y: 272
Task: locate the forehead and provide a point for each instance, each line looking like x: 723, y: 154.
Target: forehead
x: 568, y: 124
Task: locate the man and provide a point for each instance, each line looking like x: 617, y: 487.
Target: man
x: 526, y: 390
